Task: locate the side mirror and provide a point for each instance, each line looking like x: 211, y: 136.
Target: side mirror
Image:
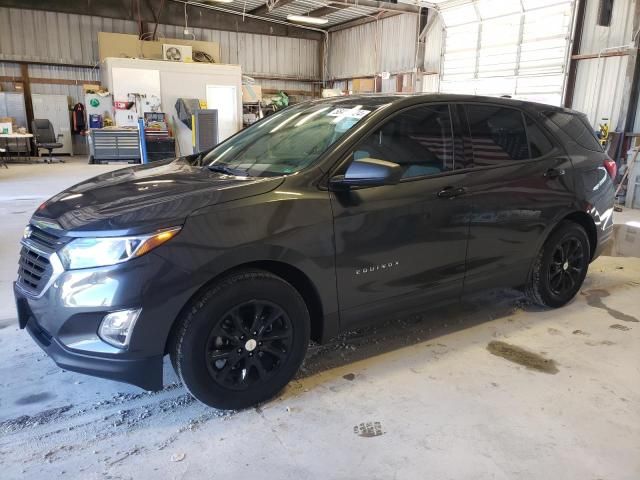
x: 368, y: 172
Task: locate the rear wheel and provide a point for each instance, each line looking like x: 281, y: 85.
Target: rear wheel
x: 560, y: 267
x: 242, y: 341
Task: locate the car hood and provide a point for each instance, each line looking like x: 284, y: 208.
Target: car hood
x: 142, y: 198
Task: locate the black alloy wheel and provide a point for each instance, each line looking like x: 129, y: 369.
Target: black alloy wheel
x: 566, y: 266
x: 249, y: 344
x: 241, y: 340
x: 560, y: 267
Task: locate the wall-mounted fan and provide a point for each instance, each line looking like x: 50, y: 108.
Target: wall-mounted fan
x: 177, y: 53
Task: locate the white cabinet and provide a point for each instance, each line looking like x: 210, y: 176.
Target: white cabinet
x: 55, y: 108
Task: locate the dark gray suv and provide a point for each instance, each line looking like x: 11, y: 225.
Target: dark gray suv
x: 323, y: 217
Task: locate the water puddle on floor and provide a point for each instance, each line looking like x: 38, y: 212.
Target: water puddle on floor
x: 625, y: 242
x: 594, y: 299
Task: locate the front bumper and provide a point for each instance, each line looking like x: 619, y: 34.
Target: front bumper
x: 143, y: 372
x: 64, y: 319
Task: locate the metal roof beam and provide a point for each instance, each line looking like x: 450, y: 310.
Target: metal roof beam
x: 264, y: 9
x: 327, y: 10
x: 385, y: 6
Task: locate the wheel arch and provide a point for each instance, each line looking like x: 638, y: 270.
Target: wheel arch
x: 291, y: 274
x: 585, y: 221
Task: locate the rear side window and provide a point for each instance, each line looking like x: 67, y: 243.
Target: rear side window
x: 498, y: 135
x: 539, y: 143
x: 577, y: 127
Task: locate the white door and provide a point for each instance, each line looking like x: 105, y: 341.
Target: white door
x: 224, y: 98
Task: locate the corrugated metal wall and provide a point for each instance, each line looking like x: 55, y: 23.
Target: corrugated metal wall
x: 600, y: 81
x: 260, y: 54
x: 434, y: 42
x: 52, y: 37
x: 387, y: 45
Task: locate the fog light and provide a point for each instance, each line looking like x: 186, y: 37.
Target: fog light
x: 116, y: 327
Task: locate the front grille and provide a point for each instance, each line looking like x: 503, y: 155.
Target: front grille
x: 34, y: 270
x: 45, y: 239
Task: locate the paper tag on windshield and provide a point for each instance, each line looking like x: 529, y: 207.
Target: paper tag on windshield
x: 348, y: 112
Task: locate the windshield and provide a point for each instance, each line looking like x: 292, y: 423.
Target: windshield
x: 287, y: 141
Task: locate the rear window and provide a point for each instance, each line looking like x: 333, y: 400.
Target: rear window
x: 577, y: 127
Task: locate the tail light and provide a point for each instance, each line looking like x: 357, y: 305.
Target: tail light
x: 611, y: 167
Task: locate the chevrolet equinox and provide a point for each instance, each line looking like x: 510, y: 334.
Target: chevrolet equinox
x: 323, y: 217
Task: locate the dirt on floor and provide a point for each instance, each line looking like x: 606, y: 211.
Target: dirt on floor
x: 530, y: 360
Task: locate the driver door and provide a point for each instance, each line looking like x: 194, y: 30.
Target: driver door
x: 403, y: 244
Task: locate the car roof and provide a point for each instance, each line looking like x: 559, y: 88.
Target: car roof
x: 374, y: 100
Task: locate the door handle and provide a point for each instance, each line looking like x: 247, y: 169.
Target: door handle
x: 451, y: 192
x: 554, y: 172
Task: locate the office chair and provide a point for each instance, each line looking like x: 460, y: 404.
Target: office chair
x: 3, y: 161
x: 46, y: 138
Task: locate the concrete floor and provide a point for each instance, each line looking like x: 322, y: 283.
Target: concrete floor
x: 419, y: 397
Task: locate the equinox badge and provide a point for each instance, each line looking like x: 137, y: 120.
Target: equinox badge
x: 376, y: 268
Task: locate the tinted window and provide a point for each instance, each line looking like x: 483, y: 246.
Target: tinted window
x: 539, y: 143
x: 577, y: 127
x: 419, y: 140
x: 497, y: 135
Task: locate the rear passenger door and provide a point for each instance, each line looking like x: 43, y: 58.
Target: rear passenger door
x: 520, y: 181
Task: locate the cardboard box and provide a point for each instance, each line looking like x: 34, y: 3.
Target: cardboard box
x: 125, y: 45
x: 251, y: 93
x: 363, y: 85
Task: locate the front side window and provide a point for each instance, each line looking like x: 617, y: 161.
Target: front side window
x: 287, y: 141
x: 419, y: 140
x: 498, y: 135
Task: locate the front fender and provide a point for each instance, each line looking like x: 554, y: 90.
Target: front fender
x: 297, y: 232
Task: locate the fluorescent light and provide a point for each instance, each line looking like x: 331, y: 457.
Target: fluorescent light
x: 307, y: 19
x: 217, y: 1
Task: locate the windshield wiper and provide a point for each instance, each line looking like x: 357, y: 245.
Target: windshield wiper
x: 222, y: 168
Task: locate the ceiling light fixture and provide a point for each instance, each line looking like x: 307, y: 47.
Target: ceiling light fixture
x: 217, y: 1
x: 307, y: 19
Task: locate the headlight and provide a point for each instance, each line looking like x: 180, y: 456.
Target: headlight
x: 103, y: 251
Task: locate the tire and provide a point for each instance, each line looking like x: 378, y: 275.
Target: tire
x: 242, y: 340
x: 560, y: 267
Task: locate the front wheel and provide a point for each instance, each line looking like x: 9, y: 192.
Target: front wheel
x: 560, y: 267
x: 242, y: 340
